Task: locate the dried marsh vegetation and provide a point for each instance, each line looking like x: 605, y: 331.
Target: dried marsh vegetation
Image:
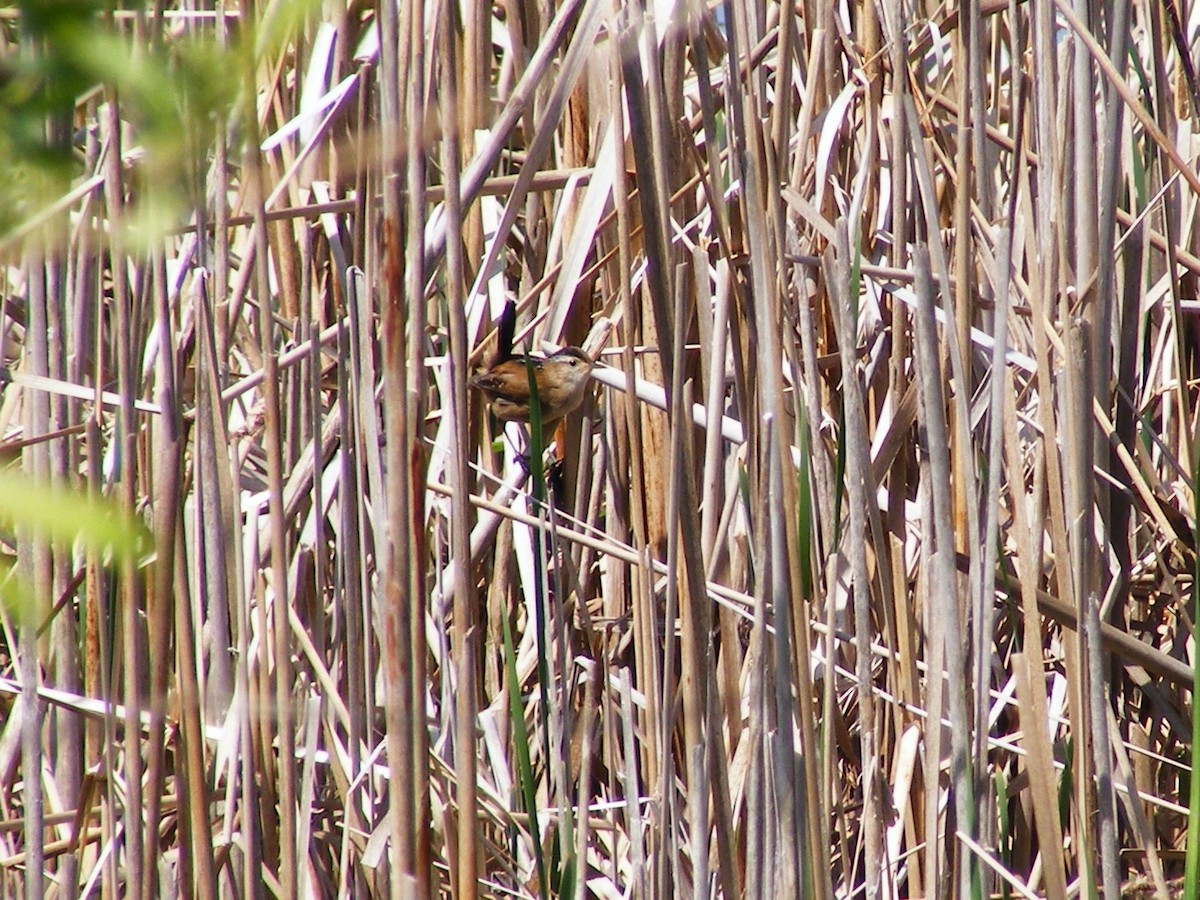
x: 866, y: 570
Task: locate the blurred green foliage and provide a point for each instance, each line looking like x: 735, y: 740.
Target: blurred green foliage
x: 64, y: 517
x: 62, y: 60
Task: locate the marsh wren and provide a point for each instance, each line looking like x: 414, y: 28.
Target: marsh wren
x: 561, y: 381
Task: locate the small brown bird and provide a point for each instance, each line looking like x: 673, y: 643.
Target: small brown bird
x: 561, y: 382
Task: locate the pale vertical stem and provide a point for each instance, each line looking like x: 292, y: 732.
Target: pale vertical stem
x: 799, y: 816
x: 34, y: 553
x: 466, y: 867
x: 1093, y: 758
x: 1029, y: 667
x: 1081, y: 431
x: 248, y: 683
x: 1110, y: 176
x: 900, y: 379
x: 713, y: 323
x: 220, y: 191
x: 644, y: 610
x: 629, y: 777
x: 695, y: 613
x: 714, y: 334
x: 273, y: 441
x: 938, y: 542
x: 188, y: 662
x: 681, y: 508
x: 819, y: 791
x: 560, y: 726
x: 102, y: 736
x: 1081, y: 441
x: 984, y: 589
x: 822, y: 471
x: 1118, y: 319
x: 810, y: 816
x: 125, y: 436
x: 413, y: 448
x: 64, y: 633
x: 1102, y: 753
x: 837, y: 280
x: 593, y: 672
x: 1083, y: 167
x: 1172, y: 228
x: 1045, y: 277
x: 351, y: 577
x: 961, y: 292
x: 167, y: 458
x: 896, y: 22
x: 473, y: 113
x: 215, y: 576
x: 403, y: 332
x: 974, y: 24
x: 643, y: 100
x: 395, y: 70
x: 756, y: 827
x: 962, y: 448
x: 793, y: 875
x: 670, y: 687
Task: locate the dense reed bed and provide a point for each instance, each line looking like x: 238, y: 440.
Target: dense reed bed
x: 866, y: 569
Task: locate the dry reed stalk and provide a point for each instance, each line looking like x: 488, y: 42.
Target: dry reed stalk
x: 833, y: 253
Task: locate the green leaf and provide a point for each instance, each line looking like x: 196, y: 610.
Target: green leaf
x: 61, y: 514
